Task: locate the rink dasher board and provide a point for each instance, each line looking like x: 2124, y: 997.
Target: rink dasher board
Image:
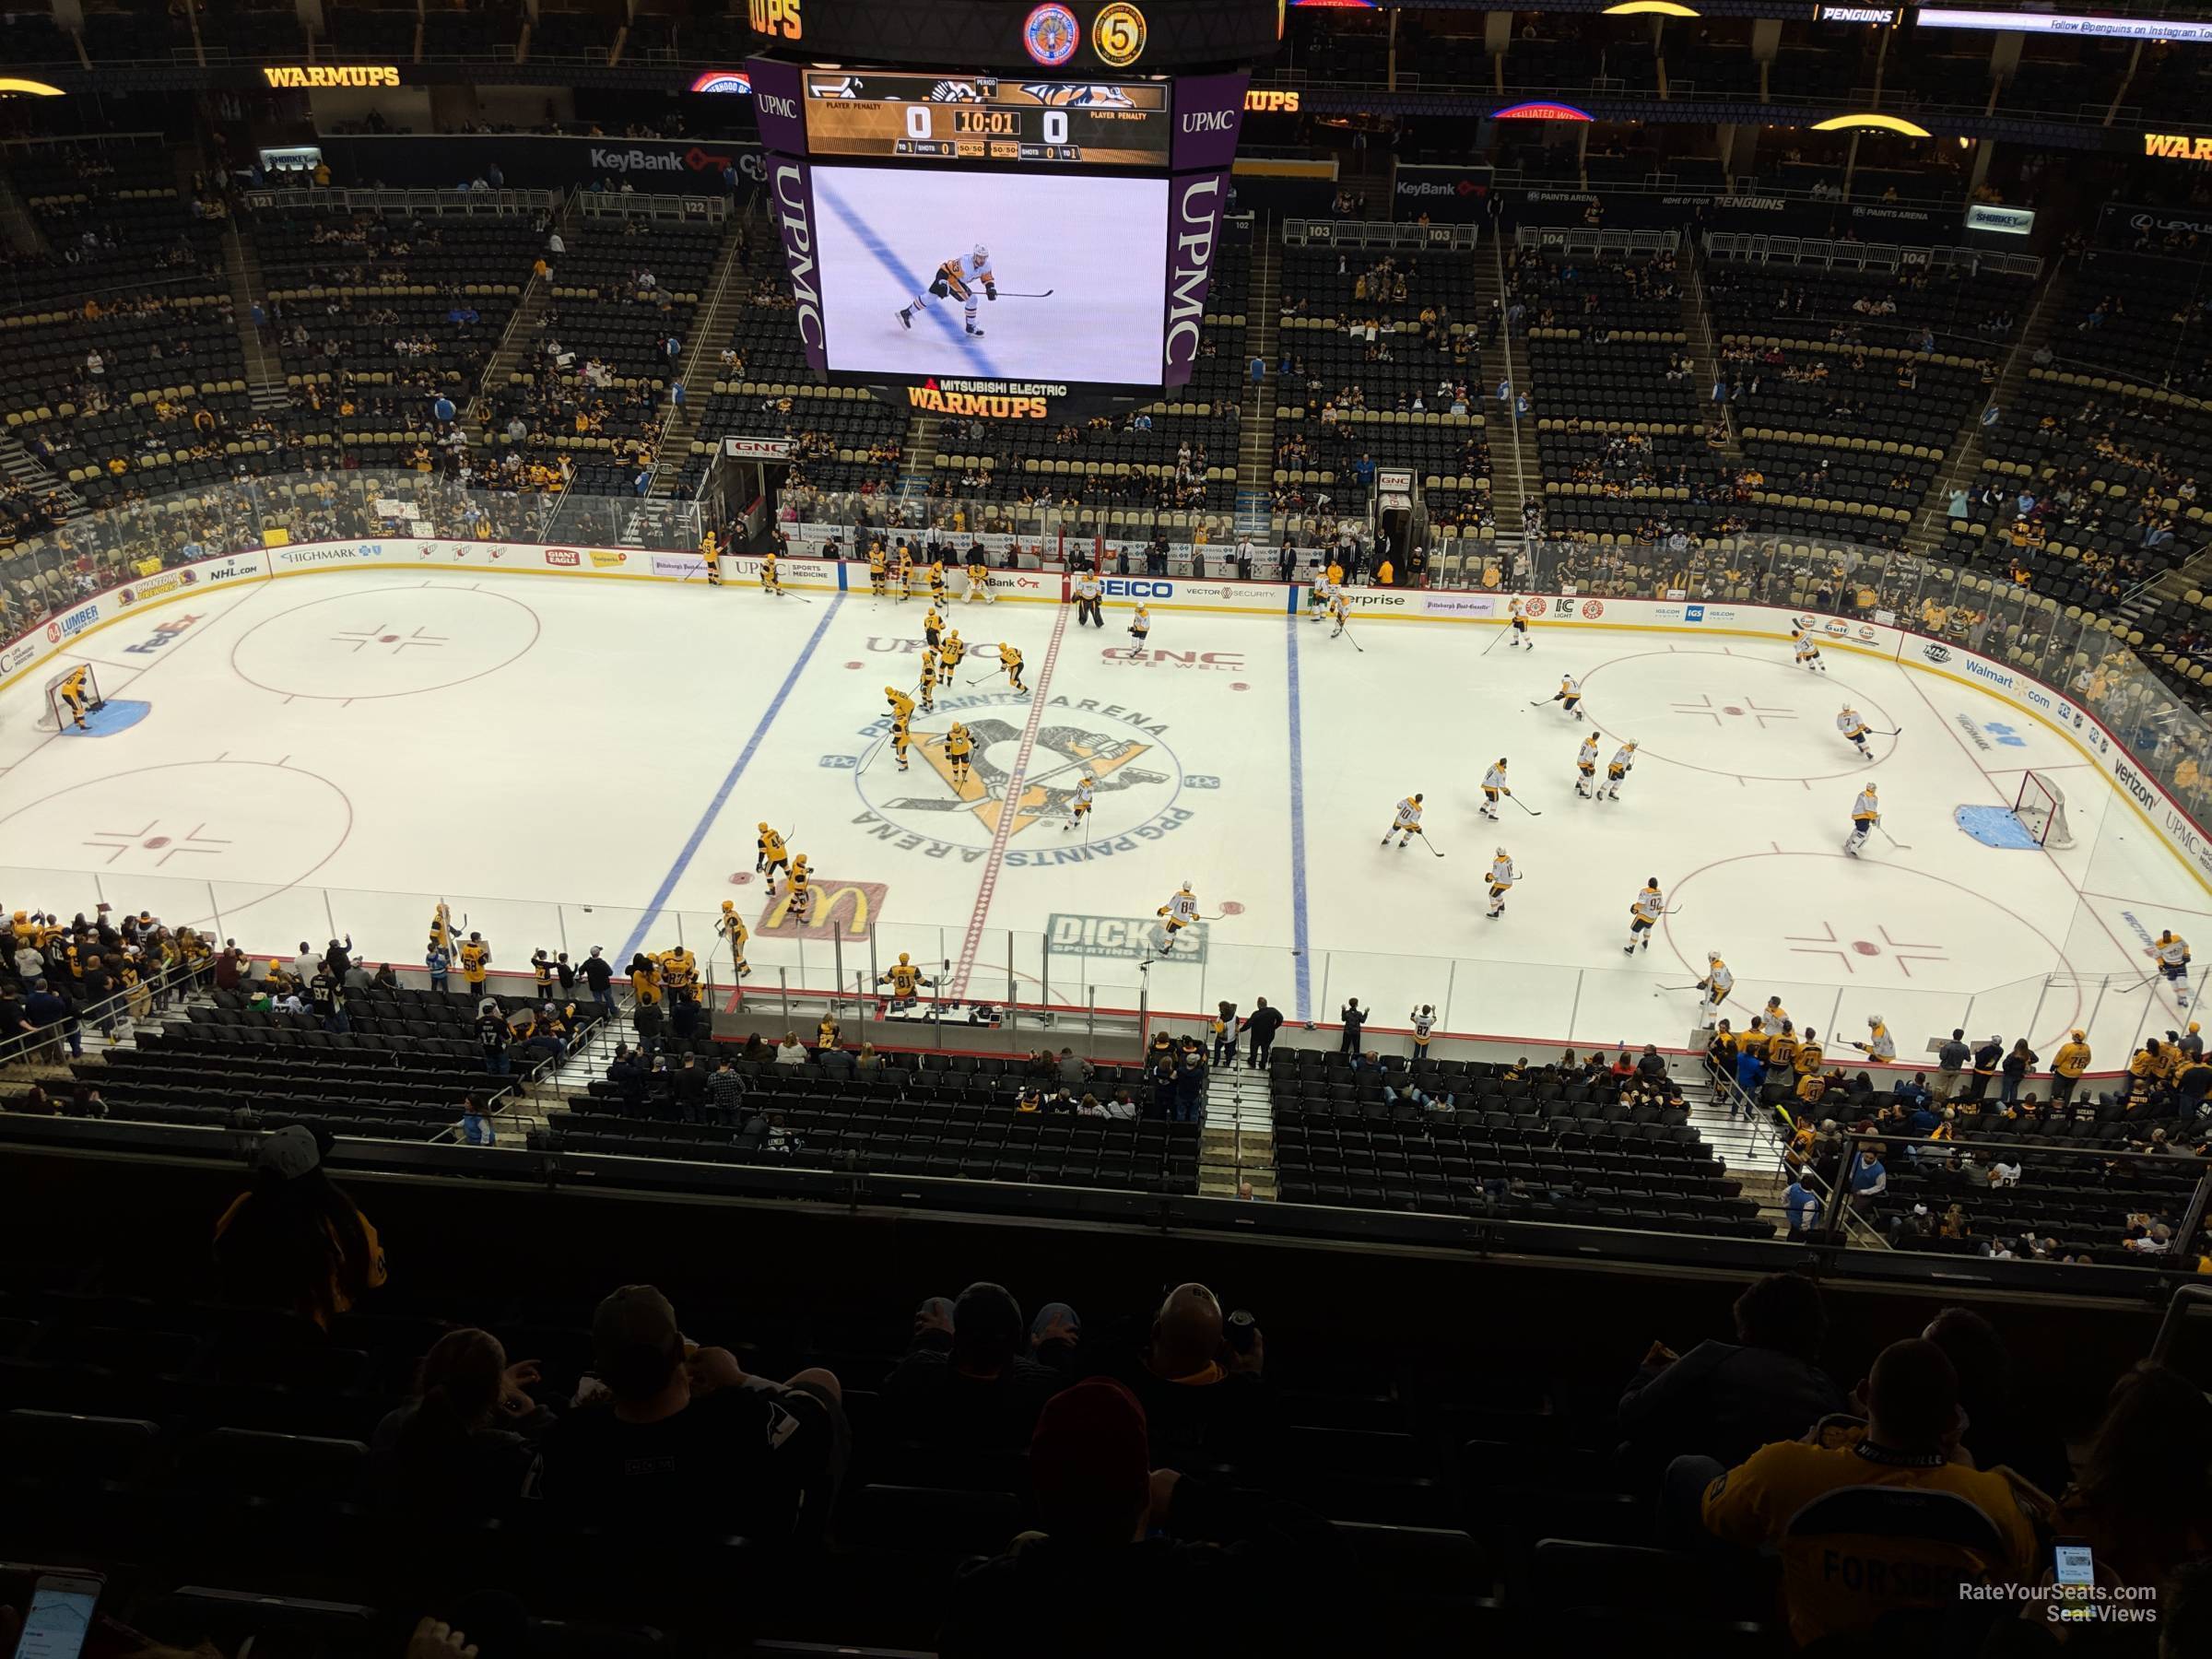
x: 1549, y: 616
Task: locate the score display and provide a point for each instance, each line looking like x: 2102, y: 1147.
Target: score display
x: 984, y: 118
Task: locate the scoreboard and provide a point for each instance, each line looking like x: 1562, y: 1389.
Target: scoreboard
x: 941, y: 119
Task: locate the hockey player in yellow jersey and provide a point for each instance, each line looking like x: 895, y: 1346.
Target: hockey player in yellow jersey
x: 950, y: 653
x: 1010, y: 660
x: 936, y: 582
x: 1585, y: 765
x: 903, y: 978
x: 76, y: 693
x: 802, y: 888
x: 2171, y: 953
x: 732, y: 927
x: 933, y: 627
x: 903, y: 566
x: 878, y: 577
x: 1852, y: 727
x: 1406, y: 824
x: 1502, y: 876
x: 979, y: 578
x: 901, y: 705
x: 771, y: 581
x: 929, y: 681
x: 1645, y: 911
x: 1865, y: 816
x: 903, y: 738
x: 958, y: 747
x: 773, y: 855
x: 1079, y: 804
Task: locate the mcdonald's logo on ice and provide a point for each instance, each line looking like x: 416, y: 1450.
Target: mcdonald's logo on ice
x: 840, y: 910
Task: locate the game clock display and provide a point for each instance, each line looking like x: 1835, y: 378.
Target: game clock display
x: 944, y: 118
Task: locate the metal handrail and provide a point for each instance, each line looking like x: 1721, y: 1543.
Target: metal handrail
x: 19, y: 1050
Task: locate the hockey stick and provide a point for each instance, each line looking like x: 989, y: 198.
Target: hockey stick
x: 1693, y: 985
x: 1009, y: 294
x: 1493, y: 644
x: 1355, y: 645
x: 1431, y: 846
x: 1892, y: 839
x: 1517, y: 801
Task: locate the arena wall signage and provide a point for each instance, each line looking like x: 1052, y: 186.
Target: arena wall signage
x: 2000, y: 221
x: 2063, y: 23
x: 2177, y: 147
x: 1541, y: 112
x: 312, y: 75
x: 440, y: 161
x: 1549, y: 613
x: 1455, y: 194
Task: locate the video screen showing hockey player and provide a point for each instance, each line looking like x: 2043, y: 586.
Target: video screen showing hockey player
x: 993, y: 276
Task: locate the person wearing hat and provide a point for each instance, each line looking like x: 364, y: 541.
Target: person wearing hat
x: 294, y: 1238
x: 671, y: 1439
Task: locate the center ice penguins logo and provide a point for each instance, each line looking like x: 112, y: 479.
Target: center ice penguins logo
x: 1136, y: 784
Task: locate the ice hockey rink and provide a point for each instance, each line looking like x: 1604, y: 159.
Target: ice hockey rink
x: 576, y: 763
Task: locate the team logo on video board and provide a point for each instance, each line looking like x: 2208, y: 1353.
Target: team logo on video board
x: 1137, y: 782
x: 1052, y: 34
x: 1117, y: 35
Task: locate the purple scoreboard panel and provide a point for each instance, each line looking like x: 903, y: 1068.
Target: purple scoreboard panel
x: 998, y: 228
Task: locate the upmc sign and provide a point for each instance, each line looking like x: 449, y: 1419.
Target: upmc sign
x: 1209, y: 111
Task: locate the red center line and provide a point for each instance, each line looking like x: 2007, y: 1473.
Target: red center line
x: 1016, y: 777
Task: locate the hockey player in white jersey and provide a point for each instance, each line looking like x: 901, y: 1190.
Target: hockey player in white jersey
x: 1645, y: 911
x: 1623, y: 761
x: 1502, y: 876
x: 1865, y: 815
x: 1406, y: 824
x: 957, y: 278
x: 1080, y: 804
x: 2171, y: 951
x: 1494, y: 785
x: 1851, y: 727
x: 1716, y: 985
x: 1179, y: 911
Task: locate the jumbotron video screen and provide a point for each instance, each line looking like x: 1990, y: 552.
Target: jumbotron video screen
x: 929, y: 271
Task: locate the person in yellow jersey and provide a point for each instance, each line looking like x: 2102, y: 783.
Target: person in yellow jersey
x: 1140, y: 630
x: 904, y: 565
x: 929, y: 681
x: 710, y: 556
x: 978, y: 577
x: 1079, y: 804
x: 932, y: 626
x: 1848, y: 1561
x: 679, y: 983
x: 936, y: 582
x: 1516, y: 613
x: 827, y: 1033
x: 771, y: 581
x: 1879, y: 1045
x: 878, y: 577
x: 802, y: 888
x: 1645, y: 911
x: 958, y: 748
x: 2171, y: 954
x: 1585, y: 765
x: 773, y: 856
x: 1570, y: 695
x: 903, y: 738
x: 1406, y: 824
x: 1494, y: 785
x: 904, y: 980
x: 645, y: 993
x: 1502, y: 876
x: 1010, y: 660
x: 476, y: 963
x: 2068, y: 1065
x: 1179, y: 912
x: 75, y: 694
x: 1622, y: 763
x: 1807, y: 650
x: 732, y: 929
x: 1716, y: 985
x: 950, y: 653
x: 1866, y: 814
x: 1855, y: 729
x: 442, y: 927
x: 901, y: 705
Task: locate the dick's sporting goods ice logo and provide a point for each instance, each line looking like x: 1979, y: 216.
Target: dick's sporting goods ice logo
x: 1136, y: 783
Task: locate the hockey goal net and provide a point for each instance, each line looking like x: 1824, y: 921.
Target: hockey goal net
x: 54, y: 716
x: 2042, y: 809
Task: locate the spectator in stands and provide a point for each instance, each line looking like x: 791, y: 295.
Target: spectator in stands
x: 976, y: 1375
x: 1352, y: 1017
x: 466, y: 1444
x: 2144, y: 1500
x: 1206, y: 1401
x: 1072, y: 1071
x: 599, y: 973
x: 1950, y: 1062
x: 1724, y: 1400
x: 293, y: 1238
x: 1818, y: 1502
x: 1133, y: 1558
x: 791, y: 1052
x: 2001, y: 1432
x: 51, y: 1012
x: 491, y: 1040
x: 674, y: 1439
x: 1801, y: 1206
x: 1263, y: 1023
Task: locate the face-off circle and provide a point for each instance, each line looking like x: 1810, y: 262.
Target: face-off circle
x: 385, y: 641
x: 1735, y: 716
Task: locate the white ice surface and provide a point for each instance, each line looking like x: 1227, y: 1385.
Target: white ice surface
x: 556, y: 757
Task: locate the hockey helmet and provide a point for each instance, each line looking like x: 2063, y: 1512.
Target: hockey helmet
x: 903, y: 960
x: 1712, y: 956
x: 981, y: 254
x: 729, y: 904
